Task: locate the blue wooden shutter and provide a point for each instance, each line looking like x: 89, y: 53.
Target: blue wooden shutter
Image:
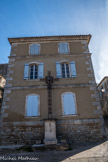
x: 32, y: 103
x: 58, y: 70
x: 40, y: 70
x: 37, y: 49
x: 69, y: 104
x: 73, y: 69
x: 66, y: 48
x: 26, y: 71
x: 61, y: 48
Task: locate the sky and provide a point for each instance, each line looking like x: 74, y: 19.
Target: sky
x: 25, y: 18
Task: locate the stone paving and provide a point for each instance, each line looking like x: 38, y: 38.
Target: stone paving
x: 90, y: 153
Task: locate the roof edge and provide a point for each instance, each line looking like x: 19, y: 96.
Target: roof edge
x: 51, y: 38
x: 102, y: 80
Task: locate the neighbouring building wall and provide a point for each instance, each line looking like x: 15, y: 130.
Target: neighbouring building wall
x: 3, y: 72
x: 85, y: 123
x: 103, y: 91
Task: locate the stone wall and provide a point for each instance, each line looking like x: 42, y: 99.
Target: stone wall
x: 27, y: 135
x: 73, y: 131
x: 80, y: 131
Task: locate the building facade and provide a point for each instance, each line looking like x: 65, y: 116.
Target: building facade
x: 73, y: 101
x: 103, y: 91
x: 3, y: 72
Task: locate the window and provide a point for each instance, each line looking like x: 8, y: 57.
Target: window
x: 34, y: 49
x: 63, y: 48
x: 33, y: 71
x: 66, y: 70
x: 32, y: 105
x: 33, y: 74
x: 69, y: 103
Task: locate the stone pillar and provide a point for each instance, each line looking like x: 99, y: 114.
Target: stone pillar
x: 50, y: 132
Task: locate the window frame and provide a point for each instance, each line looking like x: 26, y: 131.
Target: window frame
x: 34, y: 63
x: 65, y: 69
x: 33, y: 71
x: 35, y: 54
x: 67, y: 47
x: 32, y: 94
x: 72, y: 70
x: 62, y: 102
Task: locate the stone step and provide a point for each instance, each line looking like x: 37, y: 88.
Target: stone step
x: 33, y: 148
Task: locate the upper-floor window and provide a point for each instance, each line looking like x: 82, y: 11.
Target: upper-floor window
x: 32, y: 105
x: 69, y: 103
x: 66, y: 70
x: 63, y: 48
x: 34, y: 49
x: 33, y: 71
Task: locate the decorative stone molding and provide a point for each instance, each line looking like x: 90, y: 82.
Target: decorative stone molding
x: 7, y: 91
x: 5, y: 107
x: 3, y: 103
x: 6, y: 99
x: 4, y: 115
x: 92, y: 82
x: 97, y: 112
x: 93, y: 88
x: 10, y: 72
x: 90, y: 75
x: 11, y: 60
x: 9, y: 78
x: 8, y: 85
x: 13, y: 55
x: 10, y: 65
x: 95, y: 103
x: 25, y: 123
x: 14, y: 44
x: 89, y: 69
x: 80, y: 121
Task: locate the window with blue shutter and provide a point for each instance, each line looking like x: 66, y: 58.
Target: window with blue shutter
x: 33, y: 71
x: 58, y: 70
x: 35, y: 49
x: 66, y: 70
x: 63, y: 48
x: 73, y: 69
x: 69, y: 103
x: 32, y: 105
x: 26, y: 72
x: 40, y: 70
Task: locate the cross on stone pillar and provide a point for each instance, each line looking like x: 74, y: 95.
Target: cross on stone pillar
x: 50, y: 124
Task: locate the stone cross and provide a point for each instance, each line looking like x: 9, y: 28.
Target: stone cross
x: 49, y: 80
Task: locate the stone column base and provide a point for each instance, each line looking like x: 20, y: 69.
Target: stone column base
x: 50, y: 132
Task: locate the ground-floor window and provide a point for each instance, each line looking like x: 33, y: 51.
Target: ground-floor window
x: 69, y: 103
x: 32, y: 105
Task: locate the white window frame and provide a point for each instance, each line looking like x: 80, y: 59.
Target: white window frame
x: 64, y: 51
x: 30, y: 49
x: 33, y: 71
x: 65, y: 69
x: 38, y: 106
x: 76, y: 112
x: 33, y: 63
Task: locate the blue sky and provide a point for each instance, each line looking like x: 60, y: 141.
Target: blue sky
x: 22, y: 18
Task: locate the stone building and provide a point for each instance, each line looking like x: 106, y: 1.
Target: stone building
x: 103, y: 91
x: 3, y: 72
x: 50, y: 87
